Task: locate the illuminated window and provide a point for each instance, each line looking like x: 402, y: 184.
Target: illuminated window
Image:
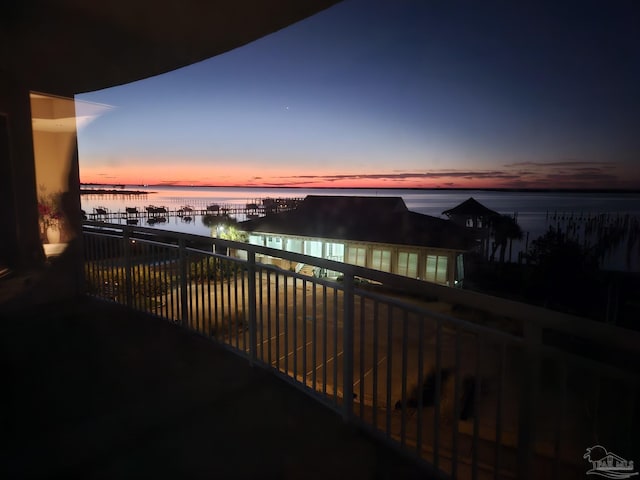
x: 408, y: 264
x: 294, y: 245
x: 274, y: 242
x: 381, y: 260
x: 441, y: 274
x: 436, y: 270
x: 256, y: 240
x: 335, y: 251
x: 313, y: 248
x: 357, y: 256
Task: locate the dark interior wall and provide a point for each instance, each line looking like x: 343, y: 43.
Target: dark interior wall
x: 8, y: 240
x: 18, y: 194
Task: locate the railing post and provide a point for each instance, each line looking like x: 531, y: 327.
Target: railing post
x: 128, y: 287
x: 347, y: 328
x: 184, y: 299
x: 253, y: 334
x: 529, y: 398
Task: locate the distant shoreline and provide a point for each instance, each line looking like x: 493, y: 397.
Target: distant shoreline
x: 88, y: 191
x: 112, y: 191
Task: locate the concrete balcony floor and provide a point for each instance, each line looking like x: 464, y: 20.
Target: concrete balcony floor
x: 94, y: 390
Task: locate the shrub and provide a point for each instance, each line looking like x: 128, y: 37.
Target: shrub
x: 212, y: 268
x: 107, y: 282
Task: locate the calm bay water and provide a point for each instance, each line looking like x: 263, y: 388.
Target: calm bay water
x: 532, y: 208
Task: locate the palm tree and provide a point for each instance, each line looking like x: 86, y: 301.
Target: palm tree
x: 504, y: 228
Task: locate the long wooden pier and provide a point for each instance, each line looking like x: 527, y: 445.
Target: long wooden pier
x: 160, y: 214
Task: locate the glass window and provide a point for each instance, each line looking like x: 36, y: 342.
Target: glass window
x: 441, y: 274
x: 430, y: 273
x: 335, y: 251
x: 313, y: 248
x: 436, y: 270
x: 294, y: 245
x: 357, y: 256
x: 274, y: 242
x: 408, y: 264
x: 460, y: 272
x: 256, y: 240
x: 381, y: 260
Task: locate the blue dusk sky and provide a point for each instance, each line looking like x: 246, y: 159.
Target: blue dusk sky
x: 398, y: 93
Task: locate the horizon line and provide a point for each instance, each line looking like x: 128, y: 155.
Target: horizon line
x: 487, y: 189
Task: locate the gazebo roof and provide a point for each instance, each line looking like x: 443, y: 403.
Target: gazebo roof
x: 471, y: 207
x: 366, y: 219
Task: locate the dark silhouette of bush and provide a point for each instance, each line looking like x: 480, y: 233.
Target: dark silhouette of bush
x: 503, y: 229
x: 212, y: 268
x: 563, y: 267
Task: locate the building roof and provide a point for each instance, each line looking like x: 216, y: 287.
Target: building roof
x: 366, y: 219
x: 470, y: 207
x: 73, y: 46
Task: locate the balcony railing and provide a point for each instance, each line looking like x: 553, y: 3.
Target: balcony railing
x: 519, y: 392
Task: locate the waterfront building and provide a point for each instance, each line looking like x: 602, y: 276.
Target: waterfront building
x: 373, y: 232
x: 474, y: 216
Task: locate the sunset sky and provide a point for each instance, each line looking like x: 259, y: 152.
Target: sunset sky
x: 397, y: 93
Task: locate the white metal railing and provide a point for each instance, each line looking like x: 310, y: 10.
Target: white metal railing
x: 465, y: 398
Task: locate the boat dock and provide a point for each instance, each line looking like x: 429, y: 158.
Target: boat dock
x: 160, y: 214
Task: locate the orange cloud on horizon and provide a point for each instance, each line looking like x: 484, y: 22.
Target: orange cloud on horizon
x: 518, y: 175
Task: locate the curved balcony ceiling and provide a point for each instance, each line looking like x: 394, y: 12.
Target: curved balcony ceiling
x: 73, y: 46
